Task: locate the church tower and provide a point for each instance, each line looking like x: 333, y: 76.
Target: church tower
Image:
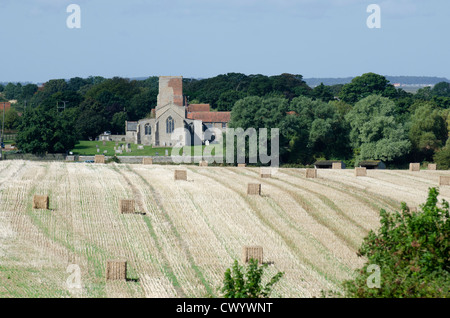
x: 170, y: 91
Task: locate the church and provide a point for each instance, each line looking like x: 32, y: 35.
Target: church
x: 173, y: 112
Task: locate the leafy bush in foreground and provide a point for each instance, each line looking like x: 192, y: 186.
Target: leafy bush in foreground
x: 240, y: 284
x: 412, y: 251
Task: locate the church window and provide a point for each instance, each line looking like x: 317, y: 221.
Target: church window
x: 170, y: 125
x: 148, y: 129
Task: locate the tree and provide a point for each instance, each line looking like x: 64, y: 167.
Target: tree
x: 10, y: 91
x: 442, y: 157
x: 142, y: 103
x: 227, y: 99
x: 374, y: 133
x: 76, y: 83
x: 328, y: 136
x: 90, y: 124
x: 118, y: 123
x: 424, y: 93
x: 12, y: 119
x: 290, y: 85
x: 428, y: 131
x: 441, y: 89
x: 47, y: 131
x: 28, y: 91
x: 260, y: 85
x: 248, y: 284
x: 411, y: 249
x: 322, y: 92
x: 258, y: 112
x: 209, y: 90
x: 365, y: 85
x: 55, y: 85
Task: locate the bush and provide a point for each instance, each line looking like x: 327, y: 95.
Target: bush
x: 238, y: 284
x: 412, y: 251
x: 442, y: 157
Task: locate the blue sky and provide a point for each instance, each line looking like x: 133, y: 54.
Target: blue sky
x: 205, y: 38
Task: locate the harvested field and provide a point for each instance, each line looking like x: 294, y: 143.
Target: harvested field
x: 188, y: 233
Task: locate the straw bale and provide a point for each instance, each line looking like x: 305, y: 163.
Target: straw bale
x: 40, y: 202
x: 126, y: 206
x: 360, y: 171
x: 203, y: 163
x: 147, y: 161
x: 180, y: 175
x: 99, y: 159
x: 336, y: 165
x: 254, y: 189
x: 444, y: 180
x: 311, y: 173
x: 414, y: 166
x: 252, y: 252
x: 241, y: 165
x: 116, y: 270
x: 432, y: 166
x: 265, y: 173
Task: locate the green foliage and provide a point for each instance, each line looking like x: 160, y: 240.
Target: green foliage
x: 365, y: 85
x: 374, y: 130
x: 211, y: 90
x: 312, y: 123
x: 442, y: 157
x: 412, y: 249
x: 323, y: 92
x: 228, y: 99
x: 248, y: 284
x: 141, y: 104
x: 12, y: 119
x: 441, y: 89
x: 47, y: 131
x: 428, y: 131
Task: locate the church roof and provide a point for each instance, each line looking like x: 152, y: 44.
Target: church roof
x: 211, y: 117
x: 198, y: 108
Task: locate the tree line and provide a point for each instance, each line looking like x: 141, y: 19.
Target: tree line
x: 367, y: 118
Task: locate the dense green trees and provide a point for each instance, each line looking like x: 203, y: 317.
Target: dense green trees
x: 375, y: 133
x: 218, y: 88
x: 308, y: 128
x: 442, y: 157
x: 47, y: 131
x: 367, y: 118
x: 365, y: 85
x: 428, y: 131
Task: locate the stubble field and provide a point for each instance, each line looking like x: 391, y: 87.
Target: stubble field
x: 185, y: 234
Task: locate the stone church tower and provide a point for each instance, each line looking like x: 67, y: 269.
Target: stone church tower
x: 170, y: 114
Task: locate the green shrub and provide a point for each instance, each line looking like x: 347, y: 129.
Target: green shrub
x: 240, y: 284
x: 412, y: 251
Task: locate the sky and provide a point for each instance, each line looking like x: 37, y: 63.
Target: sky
x: 205, y: 38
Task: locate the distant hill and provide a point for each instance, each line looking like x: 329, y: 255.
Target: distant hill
x: 402, y: 80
